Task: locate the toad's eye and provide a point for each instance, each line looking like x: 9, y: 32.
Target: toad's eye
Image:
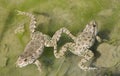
x: 25, y: 59
x: 94, y: 25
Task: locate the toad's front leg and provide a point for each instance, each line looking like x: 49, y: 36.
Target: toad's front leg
x: 98, y: 38
x: 38, y: 64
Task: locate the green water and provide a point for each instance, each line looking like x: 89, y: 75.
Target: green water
x: 72, y: 14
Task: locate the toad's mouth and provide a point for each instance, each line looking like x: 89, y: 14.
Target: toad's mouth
x: 21, y: 64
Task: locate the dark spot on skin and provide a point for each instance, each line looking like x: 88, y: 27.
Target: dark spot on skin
x: 83, y: 47
x: 88, y: 37
x: 83, y: 36
x: 85, y: 39
x: 32, y: 57
x: 87, y: 55
x: 94, y: 25
x: 90, y: 40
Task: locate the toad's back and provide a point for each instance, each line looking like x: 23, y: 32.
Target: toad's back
x: 34, y: 48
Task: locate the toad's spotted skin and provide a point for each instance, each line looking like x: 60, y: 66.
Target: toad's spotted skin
x: 35, y: 47
x: 81, y: 44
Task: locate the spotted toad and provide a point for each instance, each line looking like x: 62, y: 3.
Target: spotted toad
x: 35, y: 46
x: 80, y: 47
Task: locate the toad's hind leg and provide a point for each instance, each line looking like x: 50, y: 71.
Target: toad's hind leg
x: 59, y: 32
x: 56, y: 38
x: 32, y: 25
x: 52, y: 42
x: 62, y: 51
x: 86, y: 57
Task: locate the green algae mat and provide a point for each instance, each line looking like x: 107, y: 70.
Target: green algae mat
x: 51, y: 15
